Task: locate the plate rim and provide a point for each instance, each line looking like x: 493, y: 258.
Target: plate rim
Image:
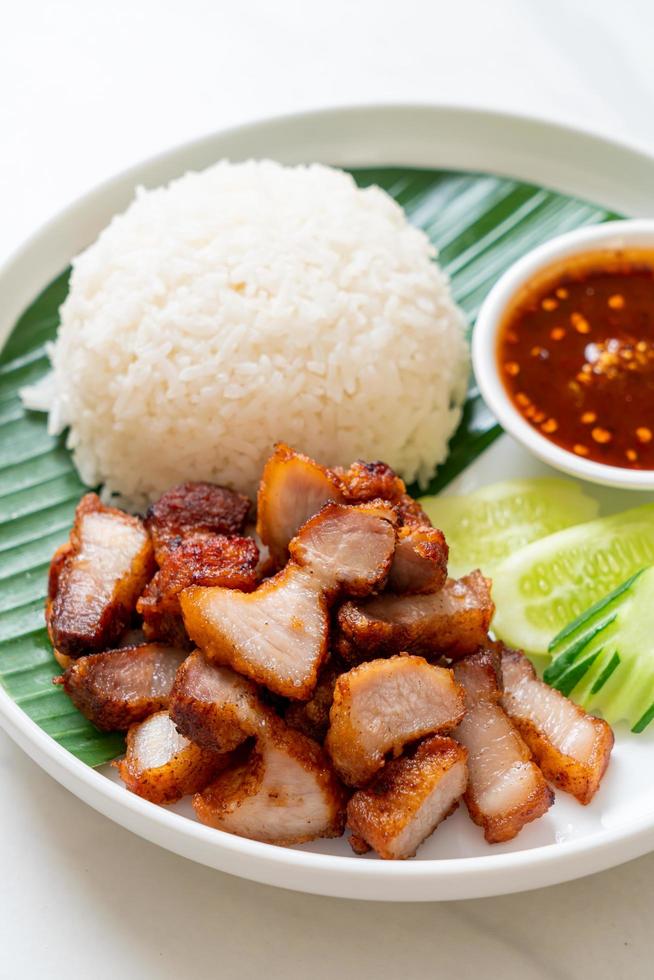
x: 335, y: 875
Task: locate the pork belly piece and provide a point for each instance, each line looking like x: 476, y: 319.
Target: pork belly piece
x: 195, y: 507
x: 571, y: 747
x: 215, y: 707
x: 312, y: 716
x: 121, y: 687
x: 367, y: 481
x: 506, y: 789
x: 348, y: 549
x: 481, y: 675
x: 420, y: 563
x: 452, y: 622
x: 381, y: 706
x: 162, y: 766
x: 277, y: 635
x: 409, y: 798
x: 294, y: 487
x: 284, y: 792
x: 97, y: 578
x: 199, y: 559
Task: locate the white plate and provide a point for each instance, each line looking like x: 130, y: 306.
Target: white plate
x: 570, y: 840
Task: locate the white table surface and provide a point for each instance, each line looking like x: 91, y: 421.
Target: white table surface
x: 87, y: 88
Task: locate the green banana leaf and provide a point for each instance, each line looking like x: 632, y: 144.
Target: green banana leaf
x: 480, y: 224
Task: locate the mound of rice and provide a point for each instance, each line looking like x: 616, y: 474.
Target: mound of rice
x: 247, y: 304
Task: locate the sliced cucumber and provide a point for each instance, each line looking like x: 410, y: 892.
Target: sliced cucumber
x: 547, y: 584
x: 484, y: 527
x: 604, y: 659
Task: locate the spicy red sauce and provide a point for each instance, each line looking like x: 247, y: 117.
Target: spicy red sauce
x: 576, y: 355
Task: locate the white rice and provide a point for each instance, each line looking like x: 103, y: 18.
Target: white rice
x: 247, y: 304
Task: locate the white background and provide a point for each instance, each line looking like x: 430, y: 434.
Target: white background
x: 87, y: 88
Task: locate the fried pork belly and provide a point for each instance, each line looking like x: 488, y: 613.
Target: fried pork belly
x: 481, y: 675
x: 162, y: 766
x: 97, y: 578
x: 133, y: 637
x: 506, y: 789
x: 381, y: 706
x: 277, y: 635
x: 410, y: 512
x: 63, y: 660
x: 121, y: 687
x: 451, y: 622
x: 571, y: 747
x: 294, y: 487
x: 312, y: 716
x: 199, y: 559
x: 348, y: 549
x: 284, y: 792
x: 56, y: 567
x: 420, y: 563
x: 409, y: 798
x: 195, y: 507
x: 366, y: 481
x: 214, y: 707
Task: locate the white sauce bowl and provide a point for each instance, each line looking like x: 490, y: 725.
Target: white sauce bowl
x: 614, y: 235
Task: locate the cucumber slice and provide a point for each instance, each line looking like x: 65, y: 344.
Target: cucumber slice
x: 550, y: 582
x: 484, y: 527
x: 604, y: 659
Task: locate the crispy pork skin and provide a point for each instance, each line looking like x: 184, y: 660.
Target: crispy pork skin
x: 506, y: 789
x: 409, y: 798
x: 198, y: 559
x: 121, y: 687
x: 368, y: 481
x: 283, y: 792
x: 451, y: 622
x: 97, y: 579
x: 214, y: 707
x: 195, y: 507
x: 162, y: 766
x: 571, y: 747
x: 420, y: 563
x: 381, y: 706
x: 278, y: 634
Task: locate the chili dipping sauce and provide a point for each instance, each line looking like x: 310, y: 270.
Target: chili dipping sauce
x: 576, y: 356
